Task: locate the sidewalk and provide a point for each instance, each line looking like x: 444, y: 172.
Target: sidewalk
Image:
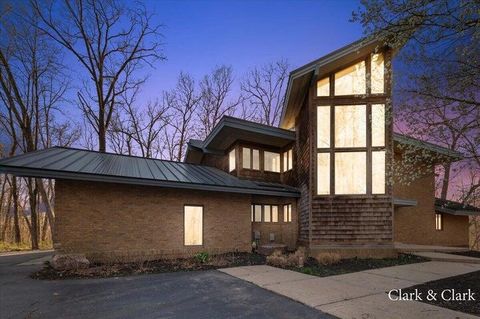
x: 361, y: 294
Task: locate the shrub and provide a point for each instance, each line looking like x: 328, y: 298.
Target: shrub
x: 278, y: 259
x: 202, y: 257
x: 328, y: 258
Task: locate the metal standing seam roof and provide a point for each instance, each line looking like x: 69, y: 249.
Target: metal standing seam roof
x: 78, y: 164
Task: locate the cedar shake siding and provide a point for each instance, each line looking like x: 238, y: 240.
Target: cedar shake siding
x: 106, y: 219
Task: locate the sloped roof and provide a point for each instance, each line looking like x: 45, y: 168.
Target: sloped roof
x: 78, y: 164
x: 455, y: 208
x: 407, y: 140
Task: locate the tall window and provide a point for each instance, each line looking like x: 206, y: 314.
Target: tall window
x: 250, y: 158
x: 231, y: 160
x: 287, y: 213
x: 438, y: 222
x: 257, y: 209
x: 193, y: 225
x: 272, y: 161
x: 378, y: 83
x: 287, y: 160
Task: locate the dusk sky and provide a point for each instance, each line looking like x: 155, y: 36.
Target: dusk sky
x: 202, y: 34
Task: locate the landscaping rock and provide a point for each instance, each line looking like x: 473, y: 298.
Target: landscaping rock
x: 70, y: 261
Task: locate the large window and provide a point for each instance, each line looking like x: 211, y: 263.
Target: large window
x: 193, y: 225
x: 272, y: 161
x: 351, y: 80
x: 323, y: 87
x: 231, y: 160
x: 250, y: 158
x: 353, y: 153
x: 287, y: 160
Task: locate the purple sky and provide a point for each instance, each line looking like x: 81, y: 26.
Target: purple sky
x: 202, y: 34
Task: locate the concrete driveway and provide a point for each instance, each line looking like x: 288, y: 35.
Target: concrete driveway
x: 206, y: 294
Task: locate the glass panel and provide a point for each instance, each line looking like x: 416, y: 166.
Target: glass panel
x: 272, y: 162
x: 246, y: 158
x: 193, y: 225
x: 323, y: 126
x: 350, y: 173
x: 438, y: 221
x: 231, y: 160
x: 377, y: 74
x: 350, y: 126
x: 323, y: 173
x: 323, y: 87
x: 285, y: 161
x: 351, y: 80
x: 285, y: 213
x: 258, y: 213
x: 378, y: 172
x: 289, y: 213
x: 256, y: 159
x: 275, y: 214
x: 378, y: 125
x: 251, y: 207
x: 266, y: 213
x: 290, y: 159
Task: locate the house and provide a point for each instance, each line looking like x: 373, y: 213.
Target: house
x: 320, y: 179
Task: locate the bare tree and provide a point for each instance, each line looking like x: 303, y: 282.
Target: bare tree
x: 111, y: 41
x: 138, y: 130
x: 182, y: 102
x: 216, y: 88
x: 264, y: 90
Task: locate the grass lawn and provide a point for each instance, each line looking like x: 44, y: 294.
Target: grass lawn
x: 7, y: 247
x: 345, y: 266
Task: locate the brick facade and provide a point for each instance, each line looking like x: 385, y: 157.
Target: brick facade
x: 105, y: 220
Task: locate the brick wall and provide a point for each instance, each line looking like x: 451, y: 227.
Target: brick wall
x: 104, y: 220
x: 416, y: 225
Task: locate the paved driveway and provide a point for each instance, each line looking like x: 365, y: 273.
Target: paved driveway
x: 207, y: 294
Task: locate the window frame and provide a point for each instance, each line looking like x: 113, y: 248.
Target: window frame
x: 438, y: 221
x: 279, y: 160
x: 287, y: 218
x: 251, y: 150
x: 287, y: 162
x: 203, y: 225
x: 230, y: 169
x: 262, y: 213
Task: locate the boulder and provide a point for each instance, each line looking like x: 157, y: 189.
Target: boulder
x: 70, y: 261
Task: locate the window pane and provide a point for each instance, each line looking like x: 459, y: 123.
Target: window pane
x: 272, y: 162
x: 350, y: 173
x: 377, y: 73
x: 290, y: 159
x: 256, y: 159
x: 193, y: 226
x: 285, y: 213
x: 323, y: 126
x: 378, y: 172
x: 285, y: 161
x: 246, y: 157
x: 438, y: 222
x: 350, y: 126
x: 323, y: 87
x: 231, y: 160
x: 289, y: 212
x: 351, y: 80
x: 274, y: 214
x: 323, y: 173
x: 253, y: 218
x: 266, y: 213
x: 258, y: 213
x: 378, y: 125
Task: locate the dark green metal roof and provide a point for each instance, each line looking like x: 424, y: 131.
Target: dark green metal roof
x: 455, y: 208
x: 78, y: 164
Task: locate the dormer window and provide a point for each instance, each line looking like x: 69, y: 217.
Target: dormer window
x: 272, y: 162
x: 250, y: 158
x: 231, y: 160
x: 287, y: 160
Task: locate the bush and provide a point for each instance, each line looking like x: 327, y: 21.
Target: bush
x: 328, y: 258
x: 202, y: 257
x: 278, y: 259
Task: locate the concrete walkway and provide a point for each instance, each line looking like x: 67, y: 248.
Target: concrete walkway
x: 361, y: 294
x: 447, y: 257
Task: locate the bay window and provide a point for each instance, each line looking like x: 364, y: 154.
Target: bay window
x: 250, y: 158
x: 231, y: 160
x: 287, y: 160
x: 272, y: 162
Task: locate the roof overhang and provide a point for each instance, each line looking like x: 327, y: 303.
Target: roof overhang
x: 230, y: 130
x: 301, y: 78
x: 444, y: 210
x: 442, y: 153
x: 403, y: 202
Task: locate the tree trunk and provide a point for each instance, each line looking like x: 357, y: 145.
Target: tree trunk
x: 50, y: 210
x: 33, y: 214
x: 16, y: 224
x: 446, y: 180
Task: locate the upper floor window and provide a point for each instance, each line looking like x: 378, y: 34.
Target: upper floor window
x: 231, y: 160
x: 351, y: 80
x: 377, y: 74
x: 287, y: 160
x: 250, y: 158
x: 272, y: 162
x: 323, y: 87
x: 350, y: 125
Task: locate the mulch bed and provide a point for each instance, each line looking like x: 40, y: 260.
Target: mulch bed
x: 470, y: 253
x: 461, y: 284
x: 345, y: 266
x: 151, y: 267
